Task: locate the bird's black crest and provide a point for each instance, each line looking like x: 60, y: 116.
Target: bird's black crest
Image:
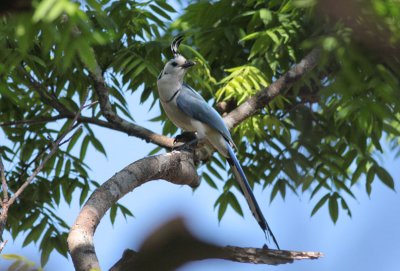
x: 175, y: 44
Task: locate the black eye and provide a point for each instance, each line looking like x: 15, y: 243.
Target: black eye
x: 174, y: 64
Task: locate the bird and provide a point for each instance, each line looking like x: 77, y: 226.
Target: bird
x: 188, y: 110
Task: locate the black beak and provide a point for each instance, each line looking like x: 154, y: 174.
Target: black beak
x: 188, y: 64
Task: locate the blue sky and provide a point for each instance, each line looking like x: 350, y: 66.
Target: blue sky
x: 368, y: 241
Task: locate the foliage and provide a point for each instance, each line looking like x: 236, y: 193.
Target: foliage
x: 321, y: 137
x: 20, y: 263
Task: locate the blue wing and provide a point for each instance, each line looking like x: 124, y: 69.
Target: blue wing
x: 192, y: 104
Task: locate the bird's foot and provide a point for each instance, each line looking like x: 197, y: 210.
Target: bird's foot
x: 184, y: 141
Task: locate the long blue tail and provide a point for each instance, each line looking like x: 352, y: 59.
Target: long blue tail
x: 248, y: 193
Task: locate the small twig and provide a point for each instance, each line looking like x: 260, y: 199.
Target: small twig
x: 3, y: 181
x: 102, y: 91
x: 4, y: 206
x: 54, y: 148
x: 2, y: 245
x: 69, y: 138
x: 32, y: 121
x: 47, y: 98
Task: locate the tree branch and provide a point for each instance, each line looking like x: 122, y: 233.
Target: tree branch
x: 3, y: 181
x: 55, y: 146
x: 38, y: 120
x: 7, y: 202
x: 172, y: 245
x: 81, y: 119
x: 4, y: 207
x: 131, y: 129
x: 175, y: 167
x: 47, y: 98
x: 261, y: 99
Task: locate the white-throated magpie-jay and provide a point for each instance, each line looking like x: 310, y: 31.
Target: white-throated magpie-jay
x: 189, y: 111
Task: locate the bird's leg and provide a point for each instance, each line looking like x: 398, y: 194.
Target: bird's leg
x: 186, y: 139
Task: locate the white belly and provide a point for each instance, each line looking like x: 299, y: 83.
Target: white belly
x: 177, y: 116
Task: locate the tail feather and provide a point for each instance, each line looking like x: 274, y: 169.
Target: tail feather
x: 248, y: 193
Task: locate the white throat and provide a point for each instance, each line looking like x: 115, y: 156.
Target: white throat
x: 167, y: 85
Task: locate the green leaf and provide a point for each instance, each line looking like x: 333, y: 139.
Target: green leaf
x: 349, y: 158
x: 357, y: 173
x: 42, y: 9
x: 250, y: 36
x: 222, y: 203
x: 14, y: 257
x: 272, y: 175
x: 113, y: 213
x: 370, y: 179
x: 384, y: 176
x: 55, y: 11
x: 282, y: 188
x: 343, y: 186
x: 274, y: 191
x: 27, y: 223
x: 209, y: 180
x: 84, y: 193
x: 97, y: 145
x: 84, y: 147
x: 45, y: 253
x: 125, y: 211
x: 333, y: 208
x: 60, y: 244
x: 165, y: 5
x: 320, y: 203
x: 74, y: 139
x: 160, y: 12
x: 213, y: 171
x: 15, y: 266
x: 65, y: 188
x: 35, y: 233
x: 232, y: 200
x: 155, y: 151
x: 56, y: 195
x: 59, y: 165
x: 273, y: 36
x: 345, y: 206
x: 87, y: 56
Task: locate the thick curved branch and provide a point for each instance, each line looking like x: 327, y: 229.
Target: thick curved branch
x: 175, y: 167
x: 131, y: 129
x: 261, y: 99
x: 172, y: 245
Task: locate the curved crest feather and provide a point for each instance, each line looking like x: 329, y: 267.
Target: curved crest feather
x: 175, y: 44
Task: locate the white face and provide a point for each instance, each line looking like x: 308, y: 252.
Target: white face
x: 176, y: 67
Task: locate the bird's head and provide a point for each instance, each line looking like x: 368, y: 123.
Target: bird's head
x: 176, y: 67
